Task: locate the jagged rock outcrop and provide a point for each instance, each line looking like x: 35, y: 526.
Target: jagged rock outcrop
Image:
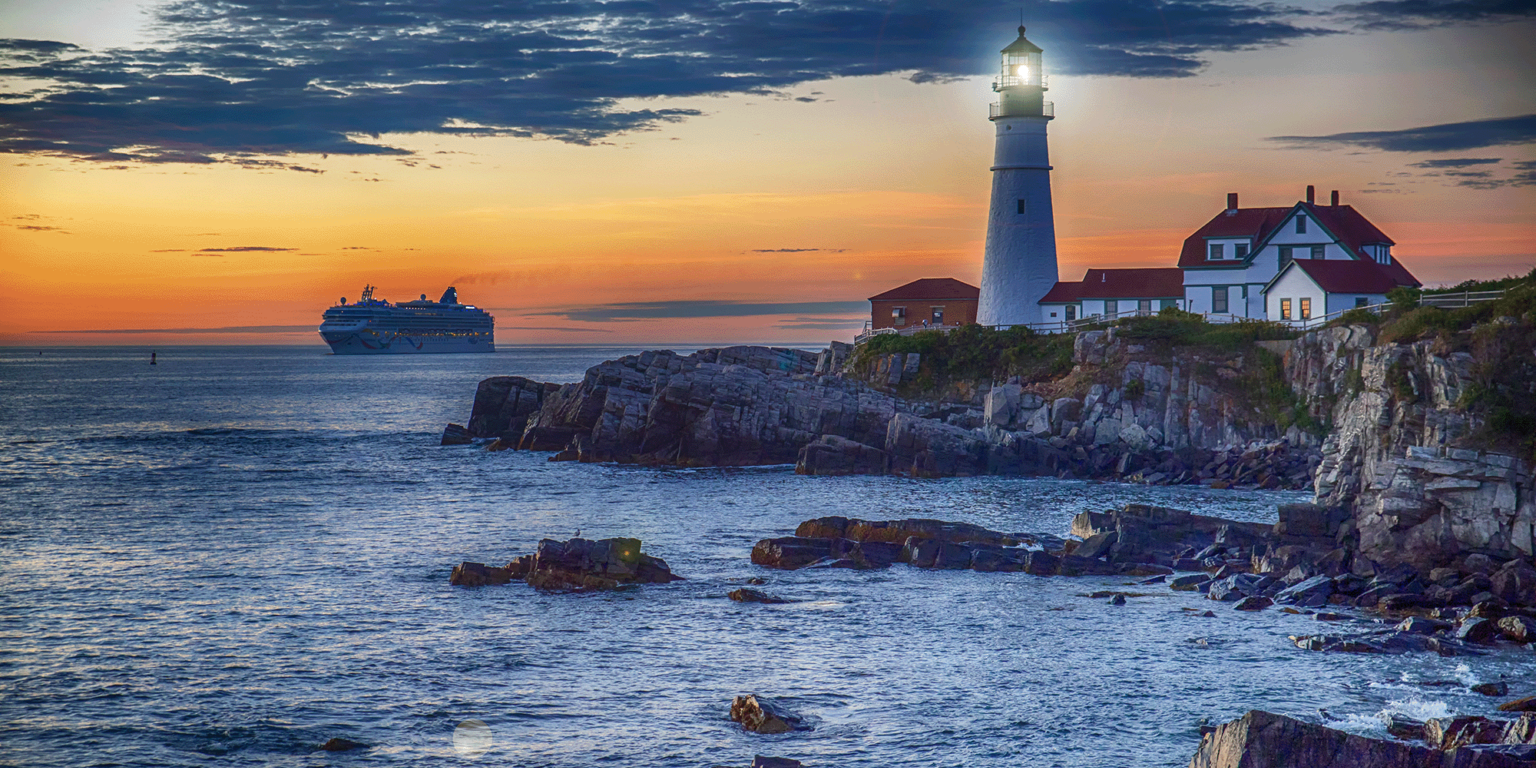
x: 503, y: 405
x: 574, y: 565
x: 1265, y: 740
x: 736, y: 406
x: 1396, y: 454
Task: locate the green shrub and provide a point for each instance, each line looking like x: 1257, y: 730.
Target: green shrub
x: 1403, y: 297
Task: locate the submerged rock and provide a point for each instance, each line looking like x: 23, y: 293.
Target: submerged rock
x: 339, y: 744
x: 760, y: 714
x: 745, y: 595
x: 760, y: 761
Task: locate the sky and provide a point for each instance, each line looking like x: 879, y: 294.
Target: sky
x: 659, y: 171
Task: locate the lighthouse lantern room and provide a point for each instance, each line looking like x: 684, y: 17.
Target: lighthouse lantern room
x: 1020, y: 262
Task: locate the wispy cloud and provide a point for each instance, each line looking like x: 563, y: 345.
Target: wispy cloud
x: 797, y: 250
x: 245, y: 249
x: 1448, y: 137
x: 654, y: 310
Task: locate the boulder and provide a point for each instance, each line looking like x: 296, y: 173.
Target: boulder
x: 1477, y: 630
x: 1527, y: 704
x: 1311, y: 593
x: 760, y: 714
x: 1515, y: 583
x: 1446, y: 733
x: 455, y: 434
x: 1253, y: 603
x: 745, y: 595
x: 1500, y: 688
x: 1520, y: 629
x: 339, y: 744
x: 1265, y: 740
x: 1188, y: 583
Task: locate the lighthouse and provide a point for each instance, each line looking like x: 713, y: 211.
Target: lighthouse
x: 1020, y: 263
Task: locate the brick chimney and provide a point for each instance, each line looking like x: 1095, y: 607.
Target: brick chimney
x: 1311, y: 193
x: 1231, y: 203
x: 1334, y: 201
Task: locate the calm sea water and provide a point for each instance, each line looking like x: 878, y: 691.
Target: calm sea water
x: 237, y: 554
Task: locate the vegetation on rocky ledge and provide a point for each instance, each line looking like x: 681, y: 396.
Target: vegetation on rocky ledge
x: 974, y: 352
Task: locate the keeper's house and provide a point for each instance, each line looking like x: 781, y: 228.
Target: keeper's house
x: 1288, y: 264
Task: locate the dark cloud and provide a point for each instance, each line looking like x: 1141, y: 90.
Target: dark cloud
x: 1450, y: 137
x: 1456, y: 162
x: 42, y: 228
x: 652, y: 310
x: 252, y: 81
x: 244, y: 249
x: 1419, y: 14
x: 226, y: 329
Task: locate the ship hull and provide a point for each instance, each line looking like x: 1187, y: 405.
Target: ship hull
x: 368, y: 342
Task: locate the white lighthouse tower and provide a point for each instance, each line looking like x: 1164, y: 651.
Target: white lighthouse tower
x: 1020, y: 265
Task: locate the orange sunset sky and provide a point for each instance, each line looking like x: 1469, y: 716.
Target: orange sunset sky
x: 761, y: 212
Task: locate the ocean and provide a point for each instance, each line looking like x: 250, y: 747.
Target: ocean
x: 237, y: 554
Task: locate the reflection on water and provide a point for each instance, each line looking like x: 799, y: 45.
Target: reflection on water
x: 245, y: 553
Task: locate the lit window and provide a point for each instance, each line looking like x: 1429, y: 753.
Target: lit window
x: 1285, y: 309
x: 1306, y: 309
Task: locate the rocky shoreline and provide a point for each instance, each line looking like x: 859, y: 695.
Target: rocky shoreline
x: 1294, y: 565
x: 1420, y: 539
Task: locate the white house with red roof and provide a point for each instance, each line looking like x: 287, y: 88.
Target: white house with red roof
x: 1247, y: 262
x: 1110, y: 292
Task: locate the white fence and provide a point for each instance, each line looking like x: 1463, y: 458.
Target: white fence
x: 1441, y: 300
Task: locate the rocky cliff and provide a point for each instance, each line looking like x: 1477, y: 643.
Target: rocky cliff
x: 1406, y: 453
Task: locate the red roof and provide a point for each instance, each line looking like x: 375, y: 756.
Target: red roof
x: 1352, y: 229
x: 1340, y: 276
x: 1150, y: 283
x: 930, y: 289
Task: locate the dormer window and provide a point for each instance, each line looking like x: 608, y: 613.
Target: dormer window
x: 1217, y: 252
x: 1240, y: 251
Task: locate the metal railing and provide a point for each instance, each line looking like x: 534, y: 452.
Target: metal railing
x: 995, y: 110
x: 1014, y: 81
x: 1438, y: 300
x: 1457, y: 300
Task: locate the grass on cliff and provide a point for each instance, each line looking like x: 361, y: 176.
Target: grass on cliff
x: 1174, y: 328
x: 978, y: 352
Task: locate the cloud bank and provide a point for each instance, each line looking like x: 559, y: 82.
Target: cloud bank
x: 245, y: 81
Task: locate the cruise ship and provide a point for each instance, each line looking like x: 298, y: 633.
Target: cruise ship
x: 371, y: 326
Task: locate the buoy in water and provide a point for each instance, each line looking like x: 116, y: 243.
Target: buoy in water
x: 152, y: 359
